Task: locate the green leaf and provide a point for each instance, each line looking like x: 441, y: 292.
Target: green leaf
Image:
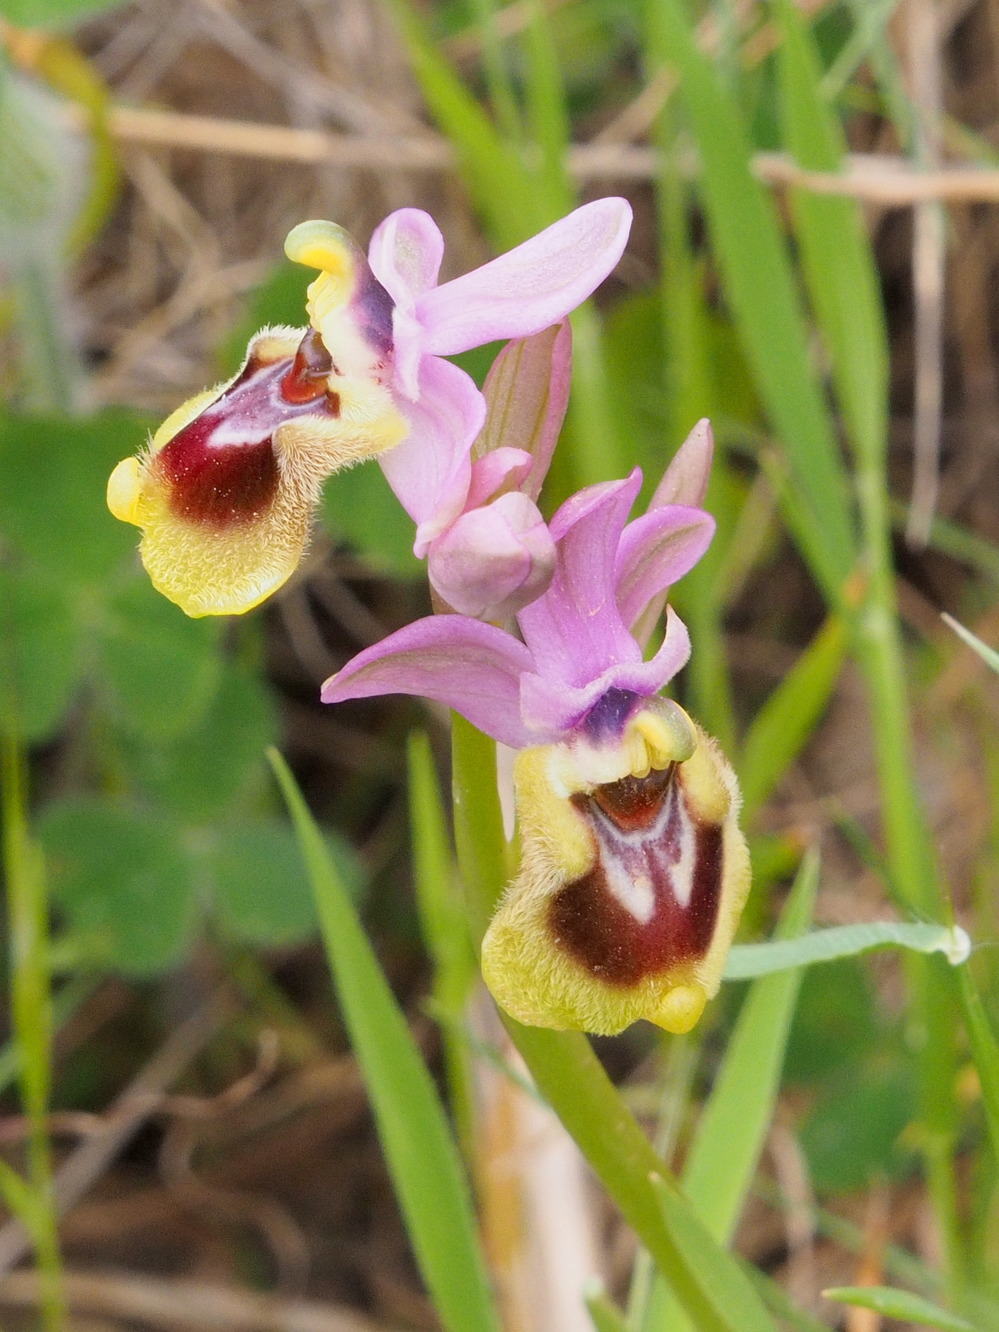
x: 123, y: 883
x: 898, y: 1304
x: 604, y: 1313
x: 41, y: 653
x: 760, y: 289
x: 421, y: 1155
x: 259, y: 894
x: 54, y: 13
x: 203, y: 772
x: 52, y: 502
x: 836, y: 253
x: 361, y: 510
x: 984, y: 1050
x: 159, y: 669
x: 787, y: 719
x: 747, y: 960
x: 855, y: 1133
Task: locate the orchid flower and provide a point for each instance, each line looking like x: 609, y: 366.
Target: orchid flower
x: 522, y: 292
x: 225, y: 492
x: 633, y: 871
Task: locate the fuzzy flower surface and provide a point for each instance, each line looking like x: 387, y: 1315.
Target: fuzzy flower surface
x: 225, y: 491
x: 633, y: 871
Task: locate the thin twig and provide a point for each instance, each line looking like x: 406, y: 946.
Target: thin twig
x: 886, y: 180
x: 89, y: 1161
x: 193, y: 1304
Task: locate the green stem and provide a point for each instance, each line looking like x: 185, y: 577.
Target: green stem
x: 27, y: 910
x: 573, y: 1082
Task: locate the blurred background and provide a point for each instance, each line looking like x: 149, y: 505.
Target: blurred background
x: 210, y: 1124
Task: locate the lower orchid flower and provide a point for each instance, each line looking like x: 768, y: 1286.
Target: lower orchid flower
x: 633, y: 871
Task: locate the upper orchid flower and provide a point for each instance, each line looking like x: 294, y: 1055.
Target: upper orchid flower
x: 633, y: 870
x: 225, y: 492
x: 522, y: 292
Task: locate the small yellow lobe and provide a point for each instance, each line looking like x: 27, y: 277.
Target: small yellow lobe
x: 680, y: 1009
x: 124, y: 490
x: 669, y: 736
x: 322, y: 245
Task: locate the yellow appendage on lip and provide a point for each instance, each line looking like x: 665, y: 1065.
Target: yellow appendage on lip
x: 124, y: 491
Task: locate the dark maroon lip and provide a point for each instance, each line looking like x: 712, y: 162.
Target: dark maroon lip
x: 639, y: 824
x: 221, y: 468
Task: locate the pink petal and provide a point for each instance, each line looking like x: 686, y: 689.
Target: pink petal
x: 405, y: 255
x: 472, y: 667
x: 655, y: 551
x: 575, y: 631
x: 430, y: 470
x: 685, y: 480
x: 553, y: 710
x: 501, y: 470
x: 530, y: 287
x: 527, y: 392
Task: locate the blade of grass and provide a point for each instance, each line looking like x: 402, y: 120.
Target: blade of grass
x: 748, y: 960
x: 604, y: 1313
x: 760, y: 289
x: 783, y: 725
x: 31, y: 1017
x: 733, y: 1126
x: 984, y: 1050
x: 899, y: 1304
x: 444, y: 927
x: 432, y: 1189
x: 837, y: 256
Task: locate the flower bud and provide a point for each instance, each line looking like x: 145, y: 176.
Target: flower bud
x: 493, y: 560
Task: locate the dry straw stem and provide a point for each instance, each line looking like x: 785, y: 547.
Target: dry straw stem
x: 191, y: 1304
x: 882, y: 179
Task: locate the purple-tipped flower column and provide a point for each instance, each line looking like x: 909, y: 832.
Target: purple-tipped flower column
x: 633, y: 870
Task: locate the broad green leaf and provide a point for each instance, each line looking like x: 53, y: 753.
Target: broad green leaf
x: 41, y: 652
x: 760, y: 289
x: 206, y: 769
x: 54, y: 13
x: 361, y: 510
x: 747, y: 960
x: 835, y: 250
x: 159, y: 669
x: 855, y: 1133
x: 123, y: 883
x: 420, y: 1151
x: 787, y: 719
x: 52, y: 501
x: 898, y: 1304
x: 258, y: 891
x: 733, y: 1125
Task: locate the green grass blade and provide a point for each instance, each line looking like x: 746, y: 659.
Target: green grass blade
x: 836, y: 256
x: 846, y: 941
x: 761, y: 292
x: 444, y: 925
x: 420, y: 1151
x: 987, y: 654
x: 899, y: 1304
x: 604, y: 1313
x: 984, y: 1050
x: 733, y: 1126
x: 783, y: 725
